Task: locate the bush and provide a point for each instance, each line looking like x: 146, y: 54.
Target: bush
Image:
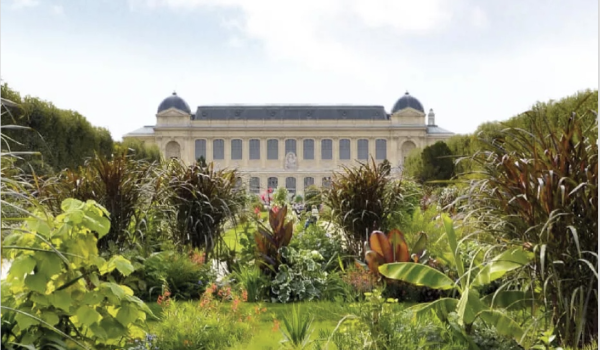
x: 540, y: 189
x: 251, y: 279
x: 361, y: 199
x: 299, y: 277
x: 183, y: 277
x: 315, y: 237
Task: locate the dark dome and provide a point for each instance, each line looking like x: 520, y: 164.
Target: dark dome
x: 407, y: 101
x: 174, y: 101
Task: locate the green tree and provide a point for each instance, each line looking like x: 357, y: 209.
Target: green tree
x: 438, y: 162
x: 138, y: 149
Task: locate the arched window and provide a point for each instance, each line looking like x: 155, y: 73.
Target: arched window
x: 362, y: 148
x: 236, y: 149
x: 290, y: 146
x: 273, y: 149
x: 380, y: 149
x: 326, y: 149
x: 326, y: 182
x: 173, y: 150
x: 219, y: 149
x: 254, y: 146
x: 290, y: 185
x: 255, y: 185
x: 406, y: 148
x: 309, y: 149
x: 308, y: 181
x: 200, y: 149
x: 272, y: 183
x: 344, y: 149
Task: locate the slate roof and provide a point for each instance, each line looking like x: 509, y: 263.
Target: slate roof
x: 146, y: 130
x: 407, y: 101
x: 434, y: 129
x: 290, y: 112
x: 174, y: 101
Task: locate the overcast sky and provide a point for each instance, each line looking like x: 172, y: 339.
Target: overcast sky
x: 472, y: 61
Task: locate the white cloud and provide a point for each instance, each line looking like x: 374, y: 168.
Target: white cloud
x: 479, y: 18
x: 24, y: 3
x: 315, y: 33
x: 58, y: 10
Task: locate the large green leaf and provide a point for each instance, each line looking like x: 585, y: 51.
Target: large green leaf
x: 25, y: 321
x: 451, y: 235
x: 501, y: 264
x: 417, y: 274
x: 97, y: 223
x: 442, y: 308
x: 469, y: 306
x: 510, y: 300
x: 504, y: 325
x: 123, y: 265
x: 88, y: 315
x: 61, y: 299
x: 36, y: 282
x: 21, y: 266
x: 127, y: 314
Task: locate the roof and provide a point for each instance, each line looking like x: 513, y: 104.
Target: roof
x: 290, y: 112
x: 434, y: 129
x: 146, y: 130
x: 407, y: 101
x: 174, y: 101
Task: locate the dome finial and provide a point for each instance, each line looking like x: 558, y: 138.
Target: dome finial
x: 406, y: 93
x: 174, y: 93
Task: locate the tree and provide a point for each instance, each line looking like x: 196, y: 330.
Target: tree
x: 438, y: 163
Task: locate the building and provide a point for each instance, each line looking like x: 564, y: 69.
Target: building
x: 290, y: 145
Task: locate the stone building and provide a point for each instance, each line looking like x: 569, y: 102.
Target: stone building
x: 292, y: 146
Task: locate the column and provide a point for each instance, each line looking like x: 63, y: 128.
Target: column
x: 209, y: 150
x: 263, y: 153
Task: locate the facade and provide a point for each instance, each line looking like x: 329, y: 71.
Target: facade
x: 292, y: 146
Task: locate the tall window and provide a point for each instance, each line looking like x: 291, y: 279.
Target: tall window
x: 380, y: 149
x: 255, y: 185
x: 326, y: 182
x: 326, y: 149
x: 273, y: 149
x: 238, y: 183
x: 219, y: 149
x: 254, y: 149
x: 236, y: 149
x: 290, y: 146
x: 200, y: 149
x: 290, y: 184
x: 272, y: 183
x: 362, y: 147
x: 309, y: 149
x: 308, y: 181
x: 344, y: 149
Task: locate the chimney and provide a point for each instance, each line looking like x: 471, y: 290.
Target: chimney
x: 431, y: 118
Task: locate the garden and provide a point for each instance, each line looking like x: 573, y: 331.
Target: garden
x: 488, y: 241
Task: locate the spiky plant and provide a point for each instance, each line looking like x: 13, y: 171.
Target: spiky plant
x: 540, y: 189
x: 203, y: 199
x: 361, y: 199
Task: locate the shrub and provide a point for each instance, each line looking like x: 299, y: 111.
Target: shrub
x: 315, y: 237
x: 203, y: 199
x: 299, y: 277
x: 541, y: 189
x: 53, y: 292
x: 185, y: 278
x: 251, y: 279
x: 361, y: 199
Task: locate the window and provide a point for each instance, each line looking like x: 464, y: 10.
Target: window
x: 326, y: 149
x: 290, y: 146
x: 380, y: 149
x: 309, y: 149
x: 238, y: 183
x: 308, y: 181
x: 272, y: 183
x: 236, y: 149
x: 200, y: 149
x: 255, y: 185
x: 344, y: 149
x: 254, y: 149
x: 326, y: 182
x: 273, y: 149
x: 173, y: 150
x: 290, y: 185
x: 219, y: 149
x: 362, y: 147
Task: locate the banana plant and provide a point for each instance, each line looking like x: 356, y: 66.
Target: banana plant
x: 382, y: 249
x: 470, y: 306
x: 269, y: 242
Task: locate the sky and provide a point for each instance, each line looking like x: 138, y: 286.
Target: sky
x: 470, y: 61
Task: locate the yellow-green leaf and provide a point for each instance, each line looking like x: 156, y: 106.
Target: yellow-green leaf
x: 71, y: 204
x: 468, y: 306
x: 21, y: 266
x: 36, y: 282
x: 442, y: 308
x: 510, y: 300
x: 127, y: 314
x: 417, y: 274
x: 25, y: 321
x: 61, y: 299
x: 507, y: 261
x: 97, y: 223
x: 123, y: 265
x: 50, y: 317
x: 88, y: 315
x: 504, y: 325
